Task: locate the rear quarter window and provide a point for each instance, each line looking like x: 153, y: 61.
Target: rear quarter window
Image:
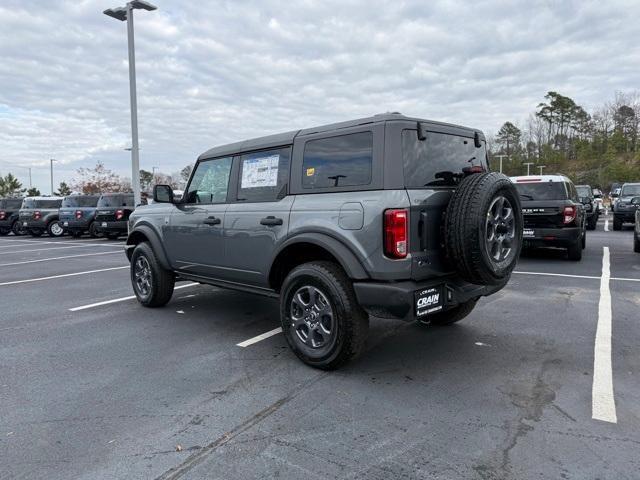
x: 340, y: 161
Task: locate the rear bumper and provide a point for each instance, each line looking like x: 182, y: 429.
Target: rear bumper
x: 33, y: 224
x: 75, y: 224
x: 552, y: 237
x: 397, y: 299
x: 627, y: 216
x: 119, y: 226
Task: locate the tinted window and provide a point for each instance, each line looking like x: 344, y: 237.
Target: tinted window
x: 11, y: 203
x: 80, y: 201
x: 630, y: 190
x: 264, y: 175
x: 46, y: 203
x: 116, y: 201
x: 438, y: 160
x: 584, y: 191
x: 338, y: 161
x: 542, y: 191
x: 210, y: 181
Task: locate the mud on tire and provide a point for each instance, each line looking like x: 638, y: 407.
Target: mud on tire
x: 483, y: 228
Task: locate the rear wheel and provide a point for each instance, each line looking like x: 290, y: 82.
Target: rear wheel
x: 451, y: 316
x: 322, y: 321
x: 54, y: 229
x: 575, y: 251
x: 617, y: 224
x: 152, y: 284
x: 93, y: 230
x: 17, y: 229
x: 483, y: 228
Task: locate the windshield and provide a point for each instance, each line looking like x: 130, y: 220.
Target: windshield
x: 10, y: 203
x: 542, y: 191
x: 116, y: 201
x: 80, y: 201
x: 440, y: 159
x: 584, y: 191
x: 629, y: 190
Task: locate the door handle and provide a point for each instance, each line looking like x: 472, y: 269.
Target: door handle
x: 212, y: 221
x: 271, y: 221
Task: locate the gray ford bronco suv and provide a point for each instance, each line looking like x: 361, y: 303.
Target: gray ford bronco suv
x: 386, y: 216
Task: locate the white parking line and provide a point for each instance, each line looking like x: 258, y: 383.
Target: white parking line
x: 591, y: 277
x: 16, y: 282
x: 606, y: 225
x: 603, y: 405
x: 57, y: 258
x: 259, y: 338
x: 62, y: 248
x: 122, y: 299
x: 16, y: 244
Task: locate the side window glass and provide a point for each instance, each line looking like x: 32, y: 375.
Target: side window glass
x: 210, y: 181
x: 264, y: 175
x: 339, y: 161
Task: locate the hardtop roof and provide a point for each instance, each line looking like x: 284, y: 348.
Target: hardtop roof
x: 287, y: 138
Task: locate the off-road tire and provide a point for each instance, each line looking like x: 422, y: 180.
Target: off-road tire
x: 17, y: 230
x: 449, y: 317
x: 617, y: 224
x: 162, y: 281
x: 466, y: 228
x: 351, y: 321
x: 51, y: 225
x: 93, y: 232
x: 574, y: 252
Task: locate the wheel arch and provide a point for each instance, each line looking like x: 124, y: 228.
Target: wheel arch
x: 307, y: 247
x: 146, y: 233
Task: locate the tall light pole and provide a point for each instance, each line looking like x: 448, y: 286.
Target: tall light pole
x: 541, y: 167
x: 51, y: 160
x: 528, y: 164
x: 501, y: 157
x: 126, y: 14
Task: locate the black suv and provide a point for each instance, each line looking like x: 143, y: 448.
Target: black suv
x: 386, y: 216
x: 9, y: 210
x: 77, y: 214
x: 588, y: 199
x: 624, y: 211
x: 553, y: 213
x: 112, y: 214
x: 40, y: 214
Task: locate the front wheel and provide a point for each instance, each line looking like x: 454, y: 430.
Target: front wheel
x: 152, y: 284
x: 322, y: 321
x: 451, y: 316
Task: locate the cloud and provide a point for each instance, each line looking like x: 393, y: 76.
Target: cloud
x: 215, y: 72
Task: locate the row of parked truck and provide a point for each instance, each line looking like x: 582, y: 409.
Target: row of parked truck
x: 97, y: 215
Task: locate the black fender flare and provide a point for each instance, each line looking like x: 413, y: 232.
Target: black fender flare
x: 148, y: 232
x: 347, y: 259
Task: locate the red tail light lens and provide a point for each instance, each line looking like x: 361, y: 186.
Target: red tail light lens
x: 569, y: 214
x: 37, y: 215
x: 78, y: 214
x: 119, y: 214
x: 3, y: 215
x: 396, y: 225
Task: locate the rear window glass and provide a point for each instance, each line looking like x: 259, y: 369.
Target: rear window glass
x: 31, y: 203
x: 10, y: 203
x: 542, y: 191
x: 630, y: 190
x: 116, y: 201
x: 584, y: 191
x: 438, y: 160
x: 80, y: 201
x: 340, y: 161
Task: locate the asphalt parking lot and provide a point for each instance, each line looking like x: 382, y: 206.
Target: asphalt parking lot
x: 92, y: 385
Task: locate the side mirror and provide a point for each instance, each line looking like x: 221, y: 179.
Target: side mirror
x: 162, y: 194
x: 635, y: 201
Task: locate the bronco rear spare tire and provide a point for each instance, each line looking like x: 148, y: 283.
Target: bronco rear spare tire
x: 483, y: 228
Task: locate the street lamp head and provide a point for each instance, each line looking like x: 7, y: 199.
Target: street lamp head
x: 141, y: 4
x: 117, y: 13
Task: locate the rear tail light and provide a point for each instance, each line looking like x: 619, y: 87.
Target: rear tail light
x: 119, y: 214
x: 3, y: 215
x: 78, y: 214
x: 569, y: 214
x: 396, y: 224
x: 37, y: 215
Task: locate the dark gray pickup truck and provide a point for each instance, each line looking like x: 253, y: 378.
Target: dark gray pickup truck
x: 386, y: 216
x: 40, y: 214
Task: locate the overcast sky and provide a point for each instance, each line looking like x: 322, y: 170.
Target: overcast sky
x: 212, y: 72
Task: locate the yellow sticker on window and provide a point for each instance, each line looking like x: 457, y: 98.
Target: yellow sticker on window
x: 311, y: 172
